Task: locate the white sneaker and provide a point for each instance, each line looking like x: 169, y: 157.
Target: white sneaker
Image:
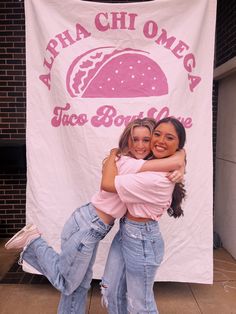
x: 23, y: 237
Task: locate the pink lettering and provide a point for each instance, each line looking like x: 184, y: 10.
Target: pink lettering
x: 132, y: 17
x: 119, y: 120
x: 187, y: 122
x: 65, y: 37
x: 194, y: 81
x: 189, y: 62
x: 81, y: 32
x: 104, y: 116
x: 163, y: 40
x: 47, y: 64
x: 118, y: 18
x: 46, y: 79
x: 181, y: 46
x: 98, y: 23
x: 164, y: 113
x: 115, y: 20
x: 150, y: 31
x: 51, y: 47
x: 61, y: 118
x: 107, y: 116
x: 55, y: 45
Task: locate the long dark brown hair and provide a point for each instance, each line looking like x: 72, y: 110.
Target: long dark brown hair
x: 179, y: 192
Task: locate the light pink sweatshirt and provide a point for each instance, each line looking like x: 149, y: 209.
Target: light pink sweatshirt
x: 144, y: 194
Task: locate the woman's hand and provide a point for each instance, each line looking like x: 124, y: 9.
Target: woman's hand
x: 110, y: 158
x: 176, y: 176
x: 113, y: 155
x: 114, y: 151
x: 109, y: 172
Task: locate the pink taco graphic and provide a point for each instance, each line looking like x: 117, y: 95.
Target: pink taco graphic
x: 107, y: 72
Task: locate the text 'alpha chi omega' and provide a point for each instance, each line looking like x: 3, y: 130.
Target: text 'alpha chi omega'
x: 91, y: 69
x: 100, y: 71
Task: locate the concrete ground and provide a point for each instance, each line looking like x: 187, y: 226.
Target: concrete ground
x: 37, y: 297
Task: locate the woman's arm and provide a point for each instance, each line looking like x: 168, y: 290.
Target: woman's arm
x: 171, y: 163
x: 109, y: 172
x: 165, y: 164
x: 144, y: 187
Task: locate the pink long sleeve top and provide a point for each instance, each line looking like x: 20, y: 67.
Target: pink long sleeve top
x: 144, y: 194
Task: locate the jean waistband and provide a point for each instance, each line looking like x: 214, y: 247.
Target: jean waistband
x: 93, y: 216
x: 148, y: 224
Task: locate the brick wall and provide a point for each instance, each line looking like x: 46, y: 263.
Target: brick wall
x: 13, y: 109
x: 12, y: 70
x: 225, y: 49
x: 12, y: 117
x: 225, y: 31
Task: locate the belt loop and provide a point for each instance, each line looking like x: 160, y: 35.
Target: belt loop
x: 95, y: 218
x: 148, y: 227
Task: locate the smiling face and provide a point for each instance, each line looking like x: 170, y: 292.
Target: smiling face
x: 165, y: 140
x: 139, y: 142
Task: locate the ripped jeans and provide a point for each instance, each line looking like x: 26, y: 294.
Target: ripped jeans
x: 70, y: 271
x: 134, y: 257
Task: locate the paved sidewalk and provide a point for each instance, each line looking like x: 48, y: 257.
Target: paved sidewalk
x: 22, y: 293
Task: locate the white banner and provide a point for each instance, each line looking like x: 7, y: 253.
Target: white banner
x: 91, y: 68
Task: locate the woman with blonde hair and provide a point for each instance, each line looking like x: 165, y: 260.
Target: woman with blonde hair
x: 70, y: 271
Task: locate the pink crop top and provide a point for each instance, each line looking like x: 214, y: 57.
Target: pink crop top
x: 146, y: 194
x: 110, y: 203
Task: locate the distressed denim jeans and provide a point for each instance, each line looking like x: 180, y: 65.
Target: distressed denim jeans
x: 70, y: 271
x: 135, y: 255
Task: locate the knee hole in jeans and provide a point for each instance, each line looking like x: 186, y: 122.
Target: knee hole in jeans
x: 104, y: 299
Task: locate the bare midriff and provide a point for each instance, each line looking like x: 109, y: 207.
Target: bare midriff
x: 107, y: 219
x: 138, y: 219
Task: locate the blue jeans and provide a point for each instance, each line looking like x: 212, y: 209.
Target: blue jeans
x: 134, y: 257
x: 70, y: 271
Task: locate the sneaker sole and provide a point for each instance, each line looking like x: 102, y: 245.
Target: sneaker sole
x: 17, y: 234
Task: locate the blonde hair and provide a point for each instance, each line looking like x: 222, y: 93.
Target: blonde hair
x: 127, y: 134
